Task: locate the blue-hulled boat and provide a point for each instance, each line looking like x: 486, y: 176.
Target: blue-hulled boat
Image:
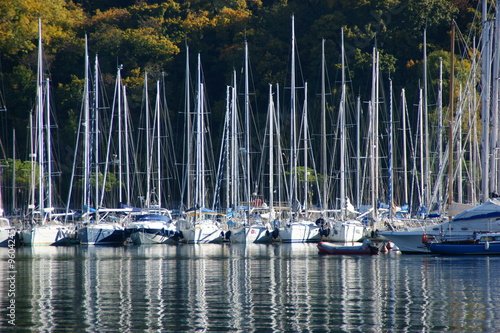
x: 487, y: 243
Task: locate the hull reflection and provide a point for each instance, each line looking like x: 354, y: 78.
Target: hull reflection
x: 253, y: 287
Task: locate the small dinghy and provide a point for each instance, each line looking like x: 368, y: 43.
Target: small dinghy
x: 363, y: 248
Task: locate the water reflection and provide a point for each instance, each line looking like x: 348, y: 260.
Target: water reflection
x: 283, y: 287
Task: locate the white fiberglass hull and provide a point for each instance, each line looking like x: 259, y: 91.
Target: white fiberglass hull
x: 5, y: 236
x: 204, y: 232
x: 150, y: 232
x: 300, y: 232
x: 47, y: 235
x: 343, y: 231
x: 101, y: 234
x: 254, y: 234
x: 407, y: 241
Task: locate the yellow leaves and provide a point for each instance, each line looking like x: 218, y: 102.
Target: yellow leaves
x: 197, y: 21
x: 147, y: 41
x: 411, y: 63
x: 229, y: 16
x: 19, y: 23
x: 113, y: 16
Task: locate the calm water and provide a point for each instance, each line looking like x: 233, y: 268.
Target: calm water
x: 266, y: 288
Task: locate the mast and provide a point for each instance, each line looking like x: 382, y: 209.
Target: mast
x: 324, y: 167
x: 278, y: 135
x: 200, y: 164
x: 358, y: 152
x: 306, y: 173
x: 86, y: 135
x: 405, y: 157
x: 451, y: 121
x: 426, y: 187
x: 49, y: 151
x: 234, y: 146
x: 271, y: 152
x: 188, y: 184
x: 127, y: 150
x: 228, y: 146
x: 459, y: 147
x: 14, y: 201
x: 158, y: 143
x: 39, y: 125
x: 96, y: 132
x: 119, y: 92
x: 293, y: 128
x: 148, y: 140
x: 374, y: 135
x: 440, y: 129
x: 421, y: 141
x: 32, y: 164
x: 389, y: 157
x: 247, y: 136
x: 493, y: 176
x: 342, y: 136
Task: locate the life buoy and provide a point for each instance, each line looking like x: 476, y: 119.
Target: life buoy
x: 424, y: 238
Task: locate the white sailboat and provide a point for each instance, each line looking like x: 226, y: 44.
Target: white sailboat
x: 296, y: 229
x: 99, y: 226
x: 153, y: 225
x: 44, y: 227
x: 243, y: 226
x: 342, y: 228
x: 201, y: 225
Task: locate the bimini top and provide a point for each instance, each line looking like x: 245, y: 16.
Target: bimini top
x: 487, y: 210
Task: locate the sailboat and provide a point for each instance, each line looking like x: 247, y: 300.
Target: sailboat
x: 201, y: 225
x: 297, y: 229
x: 153, y: 225
x: 243, y: 226
x: 99, y: 226
x: 44, y: 227
x: 342, y: 229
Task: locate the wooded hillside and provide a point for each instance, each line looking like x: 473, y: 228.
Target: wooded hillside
x: 151, y: 36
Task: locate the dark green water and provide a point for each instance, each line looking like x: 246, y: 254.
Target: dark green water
x: 238, y: 288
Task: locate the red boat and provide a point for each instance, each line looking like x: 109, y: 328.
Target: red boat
x: 332, y: 248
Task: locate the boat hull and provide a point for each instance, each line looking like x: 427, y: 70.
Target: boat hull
x: 202, y: 233
x: 362, y: 248
x: 5, y: 236
x: 150, y: 232
x: 300, y: 232
x: 47, y: 235
x: 482, y: 218
x: 260, y: 235
x: 150, y: 236
x: 101, y: 234
x: 464, y: 249
x: 342, y: 231
x: 407, y: 241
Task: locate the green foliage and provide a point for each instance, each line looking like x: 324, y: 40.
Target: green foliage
x: 151, y: 36
x: 22, y: 170
x: 111, y: 181
x: 19, y: 24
